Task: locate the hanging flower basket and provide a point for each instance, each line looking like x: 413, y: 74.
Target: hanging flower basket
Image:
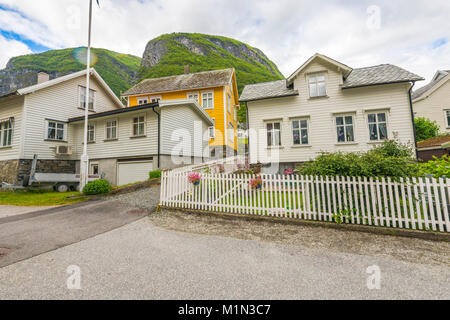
x: 256, y: 183
x: 194, y: 178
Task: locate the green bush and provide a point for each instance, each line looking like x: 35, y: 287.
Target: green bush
x: 439, y: 168
x: 155, y: 174
x: 392, y: 159
x: 100, y: 186
x: 426, y: 129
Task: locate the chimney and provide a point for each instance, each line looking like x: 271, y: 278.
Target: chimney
x: 42, y: 77
x: 186, y: 69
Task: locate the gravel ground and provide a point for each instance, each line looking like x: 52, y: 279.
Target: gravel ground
x: 339, y: 241
x: 147, y: 198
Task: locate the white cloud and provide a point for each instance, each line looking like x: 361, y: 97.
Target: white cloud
x: 11, y: 48
x: 288, y: 31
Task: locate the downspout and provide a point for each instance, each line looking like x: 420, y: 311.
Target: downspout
x: 248, y: 130
x: 159, y: 133
x: 412, y: 118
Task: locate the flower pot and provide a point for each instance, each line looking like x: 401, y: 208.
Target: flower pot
x: 196, y: 183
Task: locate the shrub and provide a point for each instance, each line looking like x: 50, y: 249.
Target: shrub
x: 426, y: 129
x: 439, y: 168
x: 100, y: 186
x: 389, y: 160
x: 155, y: 174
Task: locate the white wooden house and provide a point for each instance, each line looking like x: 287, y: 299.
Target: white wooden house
x: 327, y: 106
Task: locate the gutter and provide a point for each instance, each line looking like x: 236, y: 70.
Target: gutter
x: 412, y: 118
x: 248, y: 130
x: 159, y: 133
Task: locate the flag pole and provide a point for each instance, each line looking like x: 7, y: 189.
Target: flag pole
x: 84, y: 161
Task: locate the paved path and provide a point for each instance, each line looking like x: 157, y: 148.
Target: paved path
x: 38, y: 232
x: 143, y: 261
x: 9, y: 211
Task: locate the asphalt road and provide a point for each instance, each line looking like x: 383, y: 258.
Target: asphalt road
x: 34, y: 233
x: 143, y: 261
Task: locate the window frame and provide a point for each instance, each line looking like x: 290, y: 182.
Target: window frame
x: 299, y: 129
x: 133, y: 135
x: 273, y: 122
x: 212, y: 99
x: 194, y: 93
x: 91, y: 168
x: 116, y: 126
x: 377, y: 122
x: 47, y: 126
x: 213, y: 135
x: 157, y: 98
x: 139, y: 99
x: 230, y: 136
x: 447, y: 118
x: 9, y: 132
x: 80, y: 100
x: 353, y: 125
x: 88, y: 132
x: 316, y: 82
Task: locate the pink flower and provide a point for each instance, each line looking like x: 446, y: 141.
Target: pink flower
x: 194, y: 177
x: 289, y: 171
x: 256, y: 183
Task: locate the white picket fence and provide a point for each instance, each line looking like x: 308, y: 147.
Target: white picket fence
x: 421, y: 204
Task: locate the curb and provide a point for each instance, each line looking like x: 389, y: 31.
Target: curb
x: 406, y: 233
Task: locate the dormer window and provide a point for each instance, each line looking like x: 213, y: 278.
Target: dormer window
x: 317, y: 85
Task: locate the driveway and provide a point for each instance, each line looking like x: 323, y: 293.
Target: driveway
x: 9, y: 211
x: 31, y: 234
x: 172, y: 255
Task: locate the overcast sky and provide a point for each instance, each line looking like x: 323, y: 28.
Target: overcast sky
x: 413, y: 34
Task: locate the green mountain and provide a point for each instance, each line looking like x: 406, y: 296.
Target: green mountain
x: 168, y: 54
x: 117, y: 69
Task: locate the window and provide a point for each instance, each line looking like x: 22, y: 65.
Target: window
x: 213, y: 153
x: 344, y: 126
x: 138, y: 126
x: 377, y: 126
x: 55, y: 130
x: 94, y: 168
x: 317, y: 86
x: 231, y: 132
x: 229, y: 103
x: 212, y: 132
x: 300, y: 132
x: 83, y: 98
x: 91, y: 132
x: 273, y: 134
x: 208, y: 100
x: 193, y: 96
x: 6, y: 131
x: 447, y: 115
x: 235, y: 113
x: 142, y: 101
x: 111, y: 129
x: 155, y: 99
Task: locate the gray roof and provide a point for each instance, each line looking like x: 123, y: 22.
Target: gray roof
x: 189, y: 81
x: 382, y: 74
x: 421, y: 91
x: 266, y: 90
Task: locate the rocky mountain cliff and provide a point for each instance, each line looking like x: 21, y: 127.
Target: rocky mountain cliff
x: 118, y: 70
x: 168, y: 54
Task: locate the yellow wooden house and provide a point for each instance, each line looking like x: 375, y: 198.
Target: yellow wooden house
x: 216, y: 91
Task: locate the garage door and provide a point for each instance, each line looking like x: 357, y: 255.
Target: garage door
x: 129, y: 172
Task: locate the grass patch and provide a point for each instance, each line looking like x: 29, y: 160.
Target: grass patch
x: 39, y: 198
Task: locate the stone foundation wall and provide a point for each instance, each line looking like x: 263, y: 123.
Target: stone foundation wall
x: 9, y: 171
x: 45, y: 166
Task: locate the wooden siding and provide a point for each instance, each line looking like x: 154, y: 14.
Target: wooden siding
x: 12, y: 107
x: 125, y: 145
x: 192, y: 128
x: 321, y: 114
x: 58, y: 102
x: 218, y: 113
x: 434, y: 106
